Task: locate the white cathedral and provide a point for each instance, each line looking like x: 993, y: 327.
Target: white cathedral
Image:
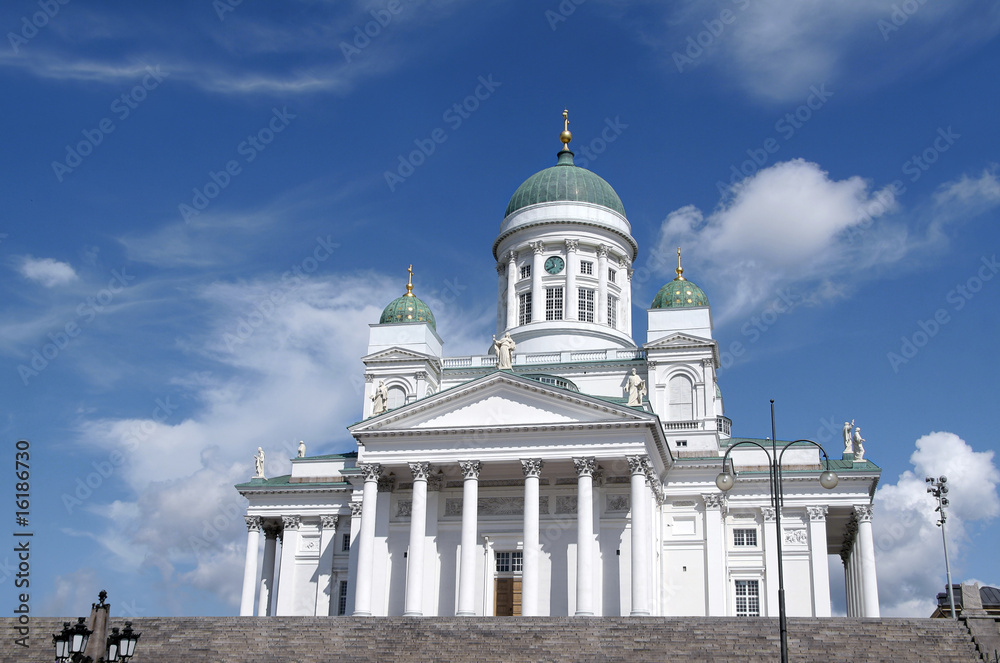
x: 570, y: 471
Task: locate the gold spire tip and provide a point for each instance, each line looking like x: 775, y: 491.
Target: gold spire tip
x: 565, y: 136
x: 680, y: 270
x: 409, y: 282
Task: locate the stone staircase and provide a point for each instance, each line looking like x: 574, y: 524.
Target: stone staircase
x: 539, y: 639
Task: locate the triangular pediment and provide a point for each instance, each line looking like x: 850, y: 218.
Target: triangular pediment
x: 396, y: 354
x: 681, y: 340
x: 501, y: 399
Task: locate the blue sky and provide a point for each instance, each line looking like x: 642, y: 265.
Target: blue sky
x: 207, y: 203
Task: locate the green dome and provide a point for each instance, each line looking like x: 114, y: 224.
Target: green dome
x: 565, y: 181
x: 679, y: 293
x: 407, y: 308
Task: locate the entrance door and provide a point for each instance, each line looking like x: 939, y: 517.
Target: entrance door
x: 507, y: 597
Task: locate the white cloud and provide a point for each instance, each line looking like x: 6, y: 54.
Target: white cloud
x: 908, y: 545
x: 46, y: 271
x: 792, y: 227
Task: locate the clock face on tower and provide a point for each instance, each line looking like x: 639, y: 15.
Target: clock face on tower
x: 554, y: 265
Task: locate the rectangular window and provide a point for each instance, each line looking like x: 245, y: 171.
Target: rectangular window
x: 747, y: 598
x: 586, y: 267
x: 509, y: 562
x: 346, y: 545
x: 342, y: 598
x: 524, y: 308
x: 745, y: 537
x: 612, y: 275
x: 681, y: 443
x: 613, y: 311
x: 586, y: 305
x: 526, y: 271
x: 553, y: 303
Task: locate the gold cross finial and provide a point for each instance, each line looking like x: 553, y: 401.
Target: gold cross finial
x: 680, y: 270
x: 409, y: 282
x: 565, y: 136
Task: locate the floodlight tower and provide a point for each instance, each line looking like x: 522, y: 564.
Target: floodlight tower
x: 939, y: 489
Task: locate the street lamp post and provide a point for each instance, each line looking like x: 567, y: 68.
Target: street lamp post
x: 938, y: 489
x: 72, y: 642
x: 725, y: 481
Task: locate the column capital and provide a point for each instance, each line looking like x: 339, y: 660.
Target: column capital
x: 369, y: 377
x: 420, y: 375
x: 253, y: 523
x: 271, y: 529
x: 372, y: 471
x: 585, y: 466
x: 637, y: 464
x: 624, y: 263
x: 708, y: 362
x: 863, y: 512
x: 512, y: 256
x: 532, y: 467
x: 470, y: 469
x: 291, y: 522
x: 768, y: 513
x: 501, y: 269
x: 329, y: 522
x: 537, y: 247
x: 386, y: 484
x: 817, y: 513
x: 572, y: 245
x: 435, y: 482
x: 714, y: 500
x: 356, y: 509
x: 420, y: 471
x: 602, y: 251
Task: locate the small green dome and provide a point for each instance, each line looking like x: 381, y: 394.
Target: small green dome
x: 565, y: 182
x: 679, y: 293
x: 407, y: 308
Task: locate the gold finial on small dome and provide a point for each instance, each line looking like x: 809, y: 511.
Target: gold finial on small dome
x: 680, y: 270
x: 409, y: 282
x: 565, y: 136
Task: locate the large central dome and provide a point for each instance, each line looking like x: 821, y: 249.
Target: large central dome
x: 565, y: 182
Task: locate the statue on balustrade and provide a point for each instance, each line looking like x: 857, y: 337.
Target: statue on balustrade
x: 636, y: 387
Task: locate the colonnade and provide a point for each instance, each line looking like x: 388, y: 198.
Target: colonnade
x: 858, y: 555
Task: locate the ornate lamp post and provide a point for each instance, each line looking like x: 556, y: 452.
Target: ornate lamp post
x: 938, y: 489
x: 71, y: 644
x: 726, y: 480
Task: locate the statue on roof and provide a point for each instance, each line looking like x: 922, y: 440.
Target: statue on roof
x: 380, y: 399
x: 848, y: 447
x: 636, y: 387
x: 302, y: 449
x: 259, y: 464
x: 859, y: 445
x: 504, y: 349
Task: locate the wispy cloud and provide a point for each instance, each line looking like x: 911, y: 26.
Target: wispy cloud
x: 46, y: 271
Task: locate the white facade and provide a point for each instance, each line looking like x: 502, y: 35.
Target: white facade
x: 539, y: 490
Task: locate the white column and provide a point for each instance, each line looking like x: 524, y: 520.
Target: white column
x: 352, y: 555
x: 366, y: 540
x: 602, y: 285
x: 845, y: 557
x: 626, y: 296
x: 415, y: 553
x: 511, y: 290
x: 529, y: 575
x: 501, y: 301
x: 572, y: 267
x: 641, y: 571
x: 585, y: 535
x: 250, y: 566
x: 324, y: 572
x: 818, y: 561
x: 770, y: 541
x: 289, y: 544
x: 866, y: 546
x: 470, y: 535
x: 537, y: 291
x: 267, y: 571
x: 715, y: 554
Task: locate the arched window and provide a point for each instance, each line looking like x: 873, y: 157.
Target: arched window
x: 397, y: 398
x: 681, y: 398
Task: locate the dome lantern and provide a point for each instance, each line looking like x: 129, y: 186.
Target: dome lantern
x: 408, y: 308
